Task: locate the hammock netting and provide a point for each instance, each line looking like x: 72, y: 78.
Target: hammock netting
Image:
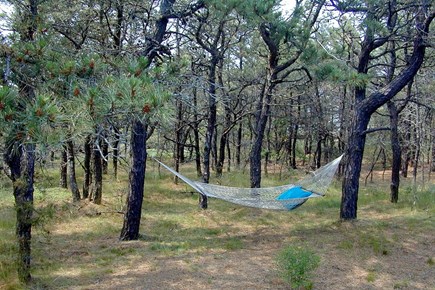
x: 284, y: 197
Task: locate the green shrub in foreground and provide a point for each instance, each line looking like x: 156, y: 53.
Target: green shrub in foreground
x: 295, y: 265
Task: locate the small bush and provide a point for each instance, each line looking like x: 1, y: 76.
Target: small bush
x: 295, y: 265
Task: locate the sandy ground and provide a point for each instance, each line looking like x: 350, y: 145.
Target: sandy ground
x: 404, y: 266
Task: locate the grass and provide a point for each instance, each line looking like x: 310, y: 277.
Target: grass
x: 77, y: 244
x: 296, y: 265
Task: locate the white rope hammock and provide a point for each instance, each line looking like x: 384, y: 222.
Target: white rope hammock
x: 284, y: 197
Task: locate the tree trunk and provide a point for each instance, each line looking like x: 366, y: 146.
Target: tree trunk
x: 406, y: 150
x: 178, y: 138
x: 97, y: 186
x: 105, y: 153
x: 318, y: 158
x: 72, y: 171
x: 132, y: 217
x: 211, y: 126
x: 116, y: 151
x: 432, y: 166
x: 63, y: 182
x: 21, y: 161
x: 196, y: 136
x: 87, y: 166
x: 354, y: 156
x: 396, y: 150
x: 239, y: 145
x: 295, y: 134
x: 262, y: 114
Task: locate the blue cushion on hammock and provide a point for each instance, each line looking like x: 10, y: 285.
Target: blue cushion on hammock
x: 292, y: 193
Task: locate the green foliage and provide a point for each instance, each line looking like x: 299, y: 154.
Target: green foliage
x: 371, y: 276
x: 378, y: 242
x: 233, y: 244
x: 296, y: 264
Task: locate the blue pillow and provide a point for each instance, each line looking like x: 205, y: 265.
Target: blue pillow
x: 294, y: 192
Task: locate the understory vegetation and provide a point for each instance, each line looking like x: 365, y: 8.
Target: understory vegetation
x: 75, y: 245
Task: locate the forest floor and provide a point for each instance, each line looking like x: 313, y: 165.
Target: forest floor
x: 76, y: 246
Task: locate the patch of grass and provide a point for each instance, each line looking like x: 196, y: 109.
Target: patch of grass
x: 233, y: 243
x: 296, y: 264
x: 377, y: 242
x: 169, y: 248
x: 345, y: 245
x: 401, y: 285
x: 371, y: 276
x: 430, y: 261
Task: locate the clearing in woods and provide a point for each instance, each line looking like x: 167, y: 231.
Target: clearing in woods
x: 76, y: 246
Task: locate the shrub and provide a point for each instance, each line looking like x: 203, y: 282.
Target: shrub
x: 295, y: 265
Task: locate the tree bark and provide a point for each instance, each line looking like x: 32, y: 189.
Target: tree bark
x: 262, y: 114
x: 97, y: 186
x: 116, y: 151
x: 105, y: 154
x: 63, y: 182
x: 72, y: 171
x: 21, y: 162
x: 87, y: 179
x: 432, y: 166
x: 354, y: 154
x: 130, y: 228
x: 196, y: 134
x: 396, y: 151
x: 239, y: 145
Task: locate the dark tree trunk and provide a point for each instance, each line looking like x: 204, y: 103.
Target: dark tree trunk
x: 63, y: 182
x: 406, y: 150
x: 196, y: 135
x: 221, y: 158
x: 21, y: 162
x: 211, y: 126
x: 295, y: 134
x: 87, y: 179
x: 132, y: 217
x: 229, y: 156
x: 288, y: 144
x: 105, y: 153
x: 239, y: 145
x: 178, y: 138
x: 262, y: 114
x: 354, y: 156
x: 97, y: 186
x: 116, y: 151
x: 72, y: 172
x: 318, y: 159
x: 396, y: 150
x: 226, y: 130
x: 432, y: 166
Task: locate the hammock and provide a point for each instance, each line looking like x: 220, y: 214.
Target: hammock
x: 284, y: 197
